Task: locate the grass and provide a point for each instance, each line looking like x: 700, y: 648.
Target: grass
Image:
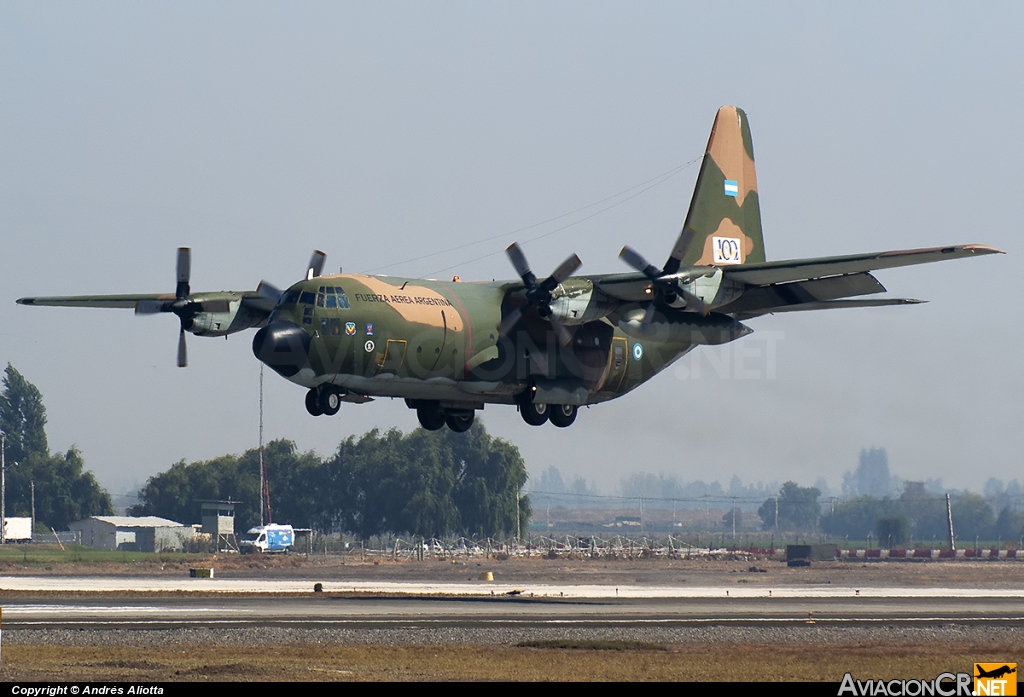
x: 49, y: 555
x: 571, y: 661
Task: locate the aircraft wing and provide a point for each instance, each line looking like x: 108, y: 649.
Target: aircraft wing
x: 127, y: 301
x: 766, y: 273
x: 130, y: 301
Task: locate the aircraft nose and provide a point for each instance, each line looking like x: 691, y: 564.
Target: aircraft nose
x: 282, y: 345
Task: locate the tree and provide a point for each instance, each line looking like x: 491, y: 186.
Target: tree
x: 798, y: 508
x: 727, y: 519
x: 177, y: 493
x: 22, y: 417
x: 892, y: 531
x: 872, y: 476
x: 425, y: 484
x: 972, y: 517
x: 64, y: 491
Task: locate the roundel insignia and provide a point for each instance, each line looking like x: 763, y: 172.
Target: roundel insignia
x: 638, y: 351
x: 368, y: 346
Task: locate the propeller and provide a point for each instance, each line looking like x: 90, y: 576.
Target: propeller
x: 268, y: 291
x: 538, y: 294
x: 183, y: 305
x: 667, y: 282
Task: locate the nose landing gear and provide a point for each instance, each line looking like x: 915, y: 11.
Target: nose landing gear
x: 323, y: 400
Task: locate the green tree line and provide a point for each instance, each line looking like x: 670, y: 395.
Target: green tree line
x: 916, y: 514
x: 422, y: 483
x: 64, y: 490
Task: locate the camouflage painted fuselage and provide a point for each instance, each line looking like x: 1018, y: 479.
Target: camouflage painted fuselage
x: 434, y: 340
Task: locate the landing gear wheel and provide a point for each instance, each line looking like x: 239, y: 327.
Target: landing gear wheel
x: 313, y: 403
x: 562, y: 415
x: 431, y: 418
x: 330, y: 401
x: 460, y: 421
x: 534, y: 414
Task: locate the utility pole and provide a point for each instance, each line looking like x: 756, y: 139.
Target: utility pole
x: 519, y: 531
x: 949, y: 517
x: 3, y: 488
x: 263, y: 468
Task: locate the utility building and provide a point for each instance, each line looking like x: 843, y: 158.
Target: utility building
x: 218, y: 519
x: 143, y: 534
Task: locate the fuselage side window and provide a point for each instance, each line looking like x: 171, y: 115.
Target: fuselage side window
x: 307, y: 298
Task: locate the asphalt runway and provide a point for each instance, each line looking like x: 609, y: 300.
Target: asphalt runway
x: 160, y: 603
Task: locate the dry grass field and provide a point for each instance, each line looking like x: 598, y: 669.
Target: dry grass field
x: 318, y: 660
x: 739, y: 662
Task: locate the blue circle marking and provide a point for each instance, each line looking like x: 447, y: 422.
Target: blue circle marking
x: 638, y: 351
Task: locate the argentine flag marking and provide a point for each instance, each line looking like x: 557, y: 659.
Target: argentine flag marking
x: 731, y: 188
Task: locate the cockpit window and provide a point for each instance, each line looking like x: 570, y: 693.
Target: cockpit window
x: 289, y: 298
x: 332, y: 296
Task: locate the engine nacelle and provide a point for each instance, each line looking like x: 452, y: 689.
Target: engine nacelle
x: 577, y: 302
x: 236, y: 319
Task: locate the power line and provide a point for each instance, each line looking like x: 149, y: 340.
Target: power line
x: 649, y: 183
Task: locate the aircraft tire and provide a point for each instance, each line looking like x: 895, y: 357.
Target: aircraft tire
x: 460, y: 421
x: 313, y: 404
x: 330, y: 401
x: 534, y: 414
x: 563, y: 415
x: 431, y: 418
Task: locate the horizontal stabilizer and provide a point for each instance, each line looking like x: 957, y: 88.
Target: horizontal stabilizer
x: 830, y: 305
x: 802, y: 269
x: 799, y: 292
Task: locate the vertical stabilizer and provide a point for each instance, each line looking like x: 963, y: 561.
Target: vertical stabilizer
x: 723, y: 225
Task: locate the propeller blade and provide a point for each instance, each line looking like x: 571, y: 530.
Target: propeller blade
x: 637, y: 261
x: 214, y: 306
x: 693, y: 302
x: 182, y: 351
x: 645, y: 323
x: 566, y: 269
x: 316, y: 264
x: 522, y: 267
x: 682, y: 246
x: 268, y: 291
x: 510, y: 321
x: 150, y: 307
x: 563, y: 334
x: 184, y: 272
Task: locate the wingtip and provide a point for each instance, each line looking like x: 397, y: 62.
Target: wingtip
x: 983, y: 249
x: 25, y: 301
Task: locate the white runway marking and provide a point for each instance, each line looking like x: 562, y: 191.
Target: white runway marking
x: 278, y: 586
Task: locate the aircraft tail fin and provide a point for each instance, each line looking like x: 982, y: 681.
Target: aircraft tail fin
x: 723, y: 225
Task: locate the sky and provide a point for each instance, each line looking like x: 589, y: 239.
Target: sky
x: 384, y: 133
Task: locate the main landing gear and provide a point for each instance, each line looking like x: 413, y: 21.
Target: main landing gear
x: 323, y: 400
x: 433, y: 418
x: 561, y: 415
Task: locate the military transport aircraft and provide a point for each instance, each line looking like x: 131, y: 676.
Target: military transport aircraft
x: 548, y: 346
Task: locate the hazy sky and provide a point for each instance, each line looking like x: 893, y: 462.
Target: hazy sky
x: 255, y: 132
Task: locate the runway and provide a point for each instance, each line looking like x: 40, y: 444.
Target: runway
x: 161, y: 603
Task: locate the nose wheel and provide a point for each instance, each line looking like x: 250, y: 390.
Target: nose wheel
x: 323, y: 400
